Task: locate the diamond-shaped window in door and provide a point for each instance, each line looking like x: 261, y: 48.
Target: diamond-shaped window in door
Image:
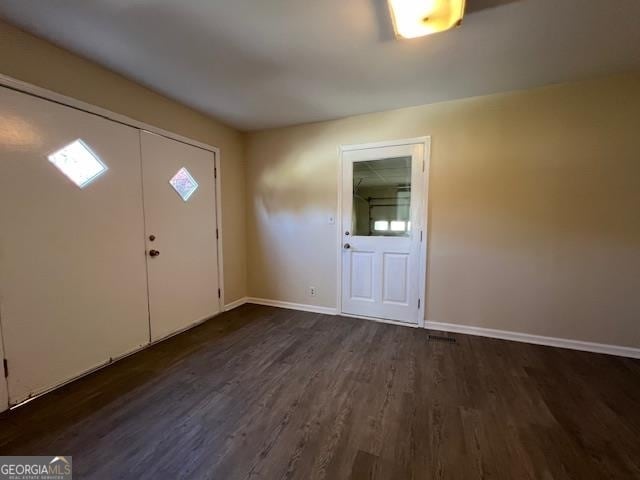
x: 78, y: 163
x: 183, y: 183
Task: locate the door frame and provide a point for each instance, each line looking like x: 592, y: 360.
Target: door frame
x: 4, y: 381
x: 49, y: 95
x: 422, y: 280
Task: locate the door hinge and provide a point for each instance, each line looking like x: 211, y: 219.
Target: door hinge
x: 219, y: 294
x: 418, y: 303
x: 5, y: 364
x: 420, y: 235
x: 216, y: 234
x: 215, y: 172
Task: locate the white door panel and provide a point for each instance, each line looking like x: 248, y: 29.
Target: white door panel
x: 72, y: 263
x: 382, y: 223
x: 183, y: 278
x: 395, y: 278
x: 362, y: 275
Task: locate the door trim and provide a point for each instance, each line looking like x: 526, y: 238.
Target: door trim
x: 49, y: 95
x: 218, y: 185
x: 45, y: 94
x: 426, y: 159
x: 4, y: 381
x: 70, y: 102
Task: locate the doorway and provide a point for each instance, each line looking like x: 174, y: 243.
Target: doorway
x: 383, y: 238
x: 83, y: 282
x: 179, y: 194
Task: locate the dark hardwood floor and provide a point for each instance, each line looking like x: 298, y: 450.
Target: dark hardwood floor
x: 266, y: 393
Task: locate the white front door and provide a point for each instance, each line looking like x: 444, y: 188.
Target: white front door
x: 72, y: 265
x: 382, y: 230
x: 180, y: 224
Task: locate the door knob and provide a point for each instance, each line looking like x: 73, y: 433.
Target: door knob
x: 154, y: 253
x: 347, y: 246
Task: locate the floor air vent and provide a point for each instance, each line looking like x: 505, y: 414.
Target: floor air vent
x: 441, y: 338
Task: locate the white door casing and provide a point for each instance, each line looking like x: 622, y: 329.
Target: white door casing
x: 4, y: 393
x: 183, y: 278
x: 72, y: 265
x: 62, y: 250
x: 383, y: 277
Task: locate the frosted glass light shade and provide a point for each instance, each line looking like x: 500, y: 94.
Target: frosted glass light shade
x: 416, y: 18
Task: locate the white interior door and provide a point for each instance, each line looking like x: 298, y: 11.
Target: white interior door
x: 180, y: 222
x: 382, y: 227
x: 72, y: 263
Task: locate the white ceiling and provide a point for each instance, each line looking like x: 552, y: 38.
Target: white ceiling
x: 265, y: 63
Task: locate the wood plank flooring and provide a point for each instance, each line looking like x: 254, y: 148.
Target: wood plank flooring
x: 266, y: 393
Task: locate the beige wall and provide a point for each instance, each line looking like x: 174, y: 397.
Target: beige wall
x: 534, y: 201
x: 33, y: 60
x: 534, y: 217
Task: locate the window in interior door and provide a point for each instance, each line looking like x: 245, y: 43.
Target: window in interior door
x: 382, y: 197
x: 78, y: 163
x: 184, y: 184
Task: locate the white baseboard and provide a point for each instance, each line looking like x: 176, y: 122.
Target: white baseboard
x: 620, y: 351
x: 536, y: 339
x: 292, y: 306
x: 235, y: 304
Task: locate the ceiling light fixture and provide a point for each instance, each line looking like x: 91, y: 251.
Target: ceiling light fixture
x: 416, y: 18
